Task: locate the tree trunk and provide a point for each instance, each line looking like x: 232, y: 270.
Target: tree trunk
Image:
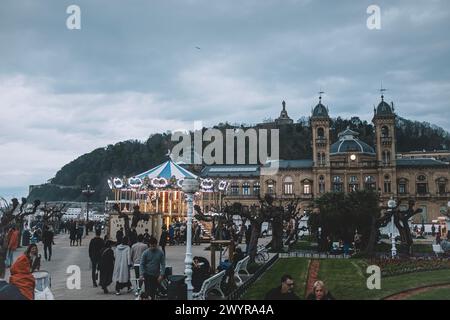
x: 277, y: 234
x: 253, y: 245
x: 370, y: 248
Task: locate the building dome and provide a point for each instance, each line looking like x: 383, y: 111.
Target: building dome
x: 320, y: 111
x: 349, y: 142
x: 384, y: 108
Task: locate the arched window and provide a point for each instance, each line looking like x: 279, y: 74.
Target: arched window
x: 246, y: 189
x: 234, y: 189
x: 337, y: 184
x: 421, y: 184
x: 321, y: 184
x: 384, y: 131
x: 442, y: 185
x: 370, y: 183
x: 320, y: 133
x: 288, y: 186
x: 353, y: 184
x: 386, y: 157
x: 270, y: 187
x: 256, y: 188
x: 387, y: 184
x: 306, y: 186
x: 403, y: 186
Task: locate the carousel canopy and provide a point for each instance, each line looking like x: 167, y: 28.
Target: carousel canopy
x: 167, y: 170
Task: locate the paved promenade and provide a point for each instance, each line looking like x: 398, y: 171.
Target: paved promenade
x: 64, y: 256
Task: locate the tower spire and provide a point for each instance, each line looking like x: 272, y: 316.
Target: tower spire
x: 320, y: 95
x: 382, y: 90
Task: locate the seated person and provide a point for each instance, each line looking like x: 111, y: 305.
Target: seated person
x: 284, y: 291
x: 200, y: 272
x: 320, y: 292
x: 237, y: 256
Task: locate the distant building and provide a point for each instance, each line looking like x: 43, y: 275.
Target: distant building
x: 345, y: 165
x: 283, y: 118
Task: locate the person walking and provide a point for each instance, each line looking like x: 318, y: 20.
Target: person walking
x: 72, y: 233
x: 80, y: 232
x: 47, y: 240
x: 106, y: 266
x: 152, y: 268
x: 163, y: 239
x: 133, y: 236
x: 137, y: 250
x: 119, y: 235
x: 122, y: 266
x: 96, y: 247
x: 284, y: 291
x: 13, y: 243
x: 197, y: 234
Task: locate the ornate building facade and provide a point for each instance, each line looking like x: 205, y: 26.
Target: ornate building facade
x: 345, y: 165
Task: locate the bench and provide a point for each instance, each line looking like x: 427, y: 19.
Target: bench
x: 437, y: 249
x: 241, y: 266
x: 212, y: 283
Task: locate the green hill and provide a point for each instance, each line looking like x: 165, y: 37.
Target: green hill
x: 132, y: 157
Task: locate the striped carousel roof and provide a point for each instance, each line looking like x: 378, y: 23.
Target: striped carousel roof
x: 167, y: 170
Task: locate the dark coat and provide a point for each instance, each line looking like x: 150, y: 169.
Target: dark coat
x: 275, y: 294
x: 119, y: 236
x: 106, y: 267
x: 47, y: 237
x: 96, y: 247
x: 10, y: 292
x: 163, y: 238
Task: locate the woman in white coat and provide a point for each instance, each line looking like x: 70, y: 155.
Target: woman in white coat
x: 122, y: 266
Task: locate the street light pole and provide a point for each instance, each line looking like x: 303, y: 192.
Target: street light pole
x: 391, y: 205
x: 190, y: 186
x: 88, y: 192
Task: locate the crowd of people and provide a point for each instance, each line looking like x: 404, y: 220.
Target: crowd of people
x: 114, y: 262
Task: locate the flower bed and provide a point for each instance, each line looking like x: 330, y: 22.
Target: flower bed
x: 393, y: 267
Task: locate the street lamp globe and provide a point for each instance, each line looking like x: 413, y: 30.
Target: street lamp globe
x: 391, y: 203
x: 190, y: 185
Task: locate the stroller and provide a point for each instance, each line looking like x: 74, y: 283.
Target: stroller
x: 43, y: 283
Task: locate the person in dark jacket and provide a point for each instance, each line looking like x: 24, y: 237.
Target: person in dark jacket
x: 72, y: 233
x: 47, y: 240
x: 200, y: 272
x: 7, y: 290
x: 133, y: 236
x: 163, y: 239
x: 284, y: 291
x: 320, y: 292
x: 119, y: 235
x: 106, y: 266
x: 96, y: 246
x: 152, y: 268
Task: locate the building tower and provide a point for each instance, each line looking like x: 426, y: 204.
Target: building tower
x: 320, y: 126
x: 384, y: 122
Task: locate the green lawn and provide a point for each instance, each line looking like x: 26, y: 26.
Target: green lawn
x: 345, y: 278
x: 435, y: 294
x: 297, y: 268
x: 304, y: 245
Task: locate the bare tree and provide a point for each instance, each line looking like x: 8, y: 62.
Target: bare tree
x: 11, y: 213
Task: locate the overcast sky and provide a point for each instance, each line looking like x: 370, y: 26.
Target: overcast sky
x: 134, y: 69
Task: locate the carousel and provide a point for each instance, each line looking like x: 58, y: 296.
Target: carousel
x: 156, y: 192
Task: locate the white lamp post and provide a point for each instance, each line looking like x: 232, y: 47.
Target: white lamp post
x: 391, y: 205
x: 190, y: 186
